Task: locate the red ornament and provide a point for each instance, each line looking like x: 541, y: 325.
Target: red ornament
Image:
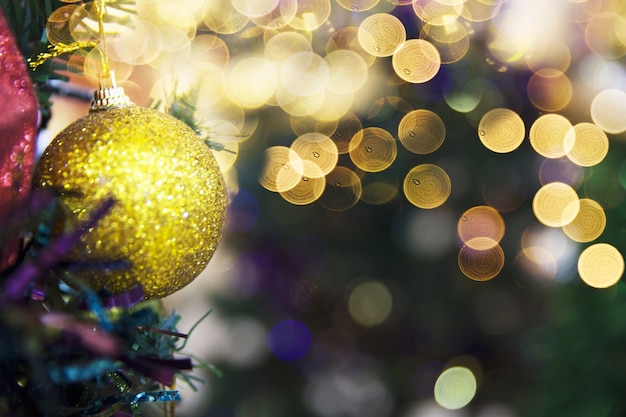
x: 18, y: 133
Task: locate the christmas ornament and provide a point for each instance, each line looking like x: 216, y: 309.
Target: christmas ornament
x: 18, y: 124
x: 169, y: 192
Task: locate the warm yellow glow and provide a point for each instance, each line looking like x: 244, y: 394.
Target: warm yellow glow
x: 254, y: 8
x: 320, y: 150
x: 452, y: 40
x: 589, y: 224
x: 556, y: 204
x: 427, y: 186
x: 421, y: 131
x: 549, y: 90
x: 455, y: 388
x: 311, y: 14
x: 547, y: 135
x: 373, y: 149
x: 285, y: 44
x: 481, y: 10
x: 481, y: 264
x: 436, y: 12
x: 281, y: 170
x: 348, y: 71
x: 381, y: 34
x: 586, y: 144
x: 222, y: 17
x: 416, y: 61
x: 601, y: 265
x: 347, y: 38
x: 251, y: 82
x: 302, y: 125
x: 605, y: 35
x: 307, y: 191
x: 501, y: 130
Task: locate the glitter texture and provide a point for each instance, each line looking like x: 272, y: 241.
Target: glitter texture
x: 170, y: 194
x: 18, y: 127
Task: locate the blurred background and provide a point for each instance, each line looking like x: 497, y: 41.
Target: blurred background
x: 351, y: 291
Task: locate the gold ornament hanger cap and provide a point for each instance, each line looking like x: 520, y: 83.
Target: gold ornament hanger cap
x: 109, y: 97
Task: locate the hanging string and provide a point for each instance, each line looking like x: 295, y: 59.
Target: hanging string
x: 107, y: 80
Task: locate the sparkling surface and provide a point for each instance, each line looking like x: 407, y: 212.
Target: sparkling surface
x: 170, y: 195
x: 18, y: 127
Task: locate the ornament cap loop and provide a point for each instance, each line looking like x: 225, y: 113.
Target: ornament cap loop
x: 109, y: 98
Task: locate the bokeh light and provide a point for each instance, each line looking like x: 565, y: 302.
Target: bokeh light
x: 373, y: 149
x: 608, y: 110
x: 421, y: 131
x: 481, y: 227
x: 588, y: 224
x: 380, y: 34
x: 547, y: 135
x: 343, y: 189
x: 455, y: 388
x: 289, y: 340
x: 481, y: 264
x: 416, y: 61
x: 501, y: 130
x: 370, y: 303
x: 586, y: 144
x: 601, y: 265
x: 427, y: 186
x: 556, y: 204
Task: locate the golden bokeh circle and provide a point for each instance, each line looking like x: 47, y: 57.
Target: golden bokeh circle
x: 348, y: 71
x: 222, y: 17
x: 319, y: 149
x: 378, y: 190
x: 284, y: 44
x: 279, y: 17
x: 481, y: 10
x: 381, y: 34
x: 481, y: 227
x: 348, y: 39
x: 586, y: 144
x: 282, y: 169
x: 549, y: 90
x: 416, y: 61
x: 452, y: 41
x: 421, y: 131
x: 601, y: 265
x: 501, y: 130
x: 608, y: 110
x: 306, y: 124
x: 373, y: 149
x: 427, y: 186
x: 434, y: 12
x: 605, y: 35
x: 343, y: 189
x: 481, y: 265
x: 547, y: 135
x: 311, y: 14
x: 589, y: 224
x: 556, y: 204
x: 307, y: 191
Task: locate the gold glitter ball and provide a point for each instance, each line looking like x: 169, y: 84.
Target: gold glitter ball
x: 170, y: 198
